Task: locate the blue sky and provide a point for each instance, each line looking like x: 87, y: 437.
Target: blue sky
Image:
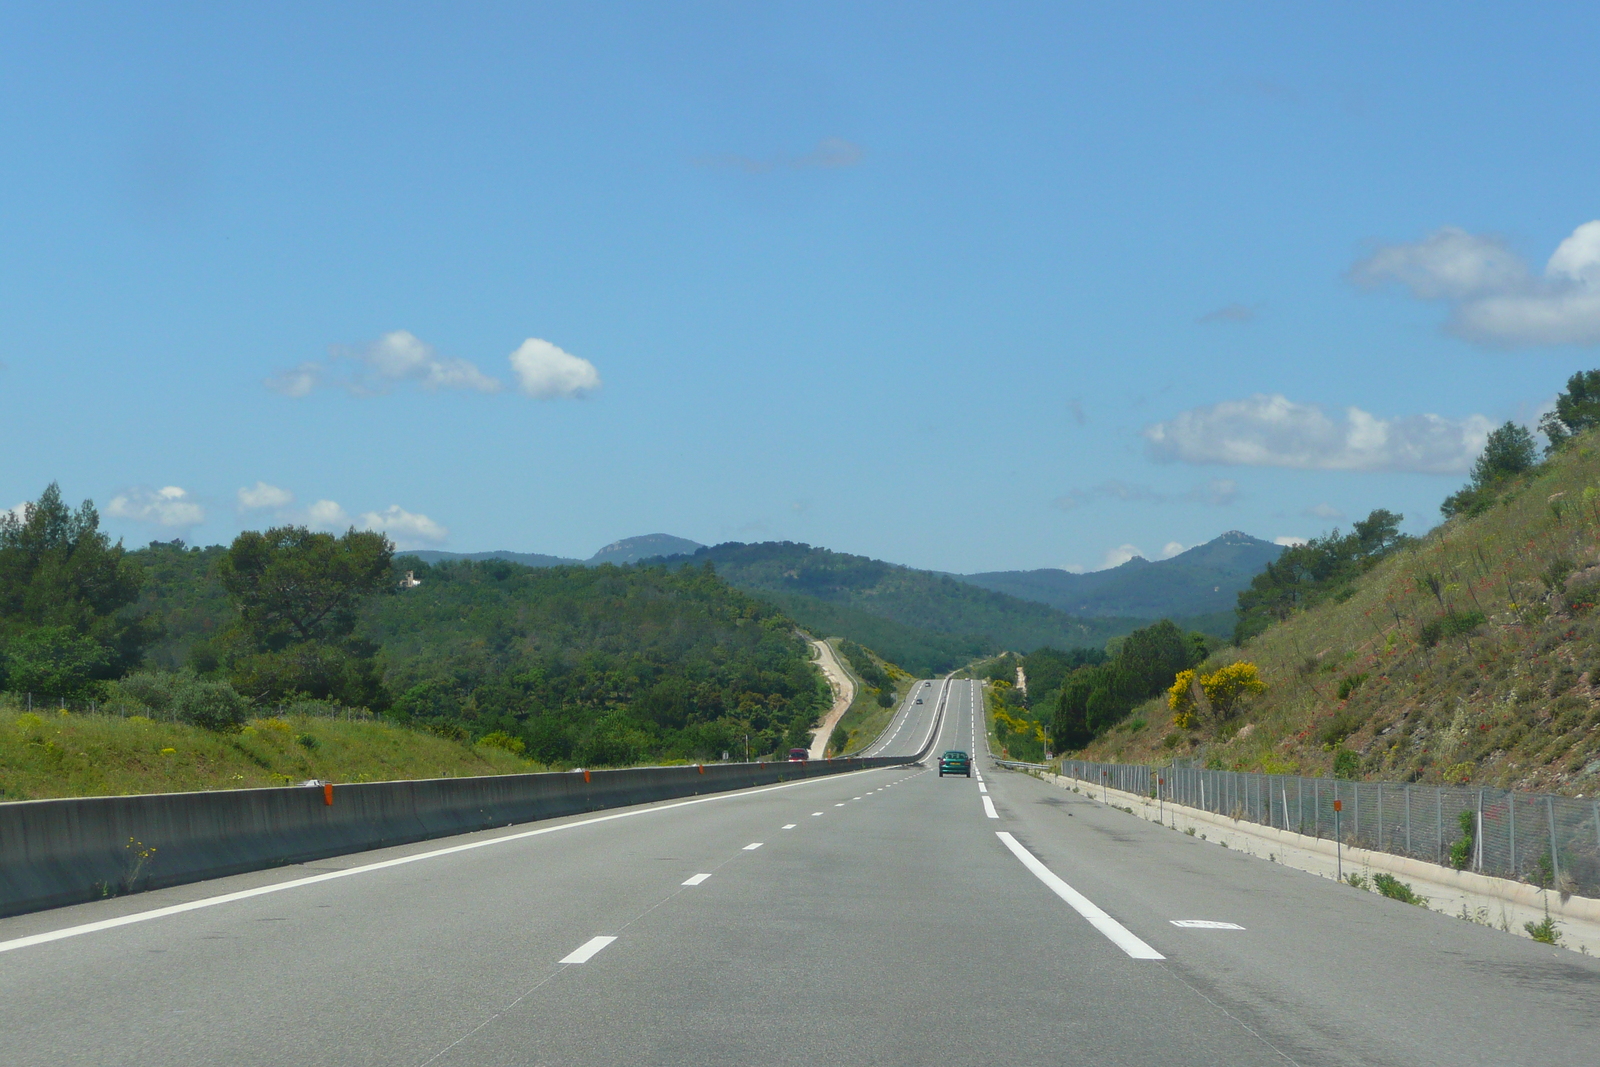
x: 968, y: 287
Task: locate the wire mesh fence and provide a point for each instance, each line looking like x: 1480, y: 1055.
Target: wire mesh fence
x: 1545, y: 840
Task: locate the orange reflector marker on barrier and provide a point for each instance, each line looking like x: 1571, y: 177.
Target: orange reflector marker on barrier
x: 327, y: 793
x: 702, y: 768
x: 586, y: 776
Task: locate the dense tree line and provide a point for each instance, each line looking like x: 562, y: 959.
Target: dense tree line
x: 1095, y: 698
x: 66, y: 594
x: 583, y: 665
x: 1320, y: 569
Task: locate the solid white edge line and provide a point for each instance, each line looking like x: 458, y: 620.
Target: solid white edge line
x: 696, y: 879
x: 1114, y: 931
x: 988, y: 808
x: 586, y: 951
x: 295, y: 883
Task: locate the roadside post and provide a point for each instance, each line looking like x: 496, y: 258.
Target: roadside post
x: 1338, y: 840
x: 1161, y: 811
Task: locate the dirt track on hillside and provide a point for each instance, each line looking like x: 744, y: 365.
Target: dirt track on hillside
x: 844, y: 693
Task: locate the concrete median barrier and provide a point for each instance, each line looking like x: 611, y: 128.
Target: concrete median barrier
x: 67, y: 851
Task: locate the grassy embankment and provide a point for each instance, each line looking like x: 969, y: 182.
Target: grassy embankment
x: 50, y: 754
x: 1472, y: 655
x: 865, y: 720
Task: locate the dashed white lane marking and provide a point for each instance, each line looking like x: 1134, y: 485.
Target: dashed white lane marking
x: 63, y: 933
x: 840, y: 804
x: 586, y: 951
x: 790, y: 825
x: 988, y: 808
x: 855, y: 798
x: 697, y: 879
x: 752, y: 846
x: 982, y: 788
x: 816, y: 813
x: 1118, y: 934
x: 1204, y: 924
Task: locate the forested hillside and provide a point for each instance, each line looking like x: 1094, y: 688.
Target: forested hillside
x: 591, y: 665
x: 1469, y: 655
x: 935, y: 622
x: 1203, y: 581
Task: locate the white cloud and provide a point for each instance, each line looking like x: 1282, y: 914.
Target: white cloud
x: 297, y: 381
x: 169, y: 507
x: 327, y: 515
x: 376, y: 368
x: 407, y: 529
x: 400, y: 356
x: 1288, y: 540
x: 1324, y: 511
x: 1116, y: 557
x: 1272, y: 431
x: 20, y: 512
x: 1074, y: 568
x: 262, y: 495
x: 1170, y: 549
x: 1494, y: 298
x: 544, y: 371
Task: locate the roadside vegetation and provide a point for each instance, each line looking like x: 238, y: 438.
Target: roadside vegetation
x: 880, y: 686
x: 1465, y: 656
x: 563, y: 665
x: 47, y: 753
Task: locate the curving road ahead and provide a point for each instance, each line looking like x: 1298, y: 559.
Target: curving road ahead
x: 887, y: 917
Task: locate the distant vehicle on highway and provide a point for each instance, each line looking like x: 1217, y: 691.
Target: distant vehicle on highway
x: 919, y: 700
x: 926, y: 683
x: 955, y: 762
x: 798, y: 755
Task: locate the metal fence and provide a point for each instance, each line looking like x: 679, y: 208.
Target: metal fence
x: 1545, y: 840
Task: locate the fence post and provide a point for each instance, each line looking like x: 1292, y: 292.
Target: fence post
x: 1555, y: 853
x: 1477, y: 859
x: 1355, y: 796
x: 1511, y: 821
x: 1316, y: 806
x: 1380, y: 818
x: 1408, y: 820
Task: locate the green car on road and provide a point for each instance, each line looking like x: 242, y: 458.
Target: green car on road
x: 955, y: 762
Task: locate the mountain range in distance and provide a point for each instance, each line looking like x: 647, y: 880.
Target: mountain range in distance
x: 930, y: 622
x: 1203, y: 580
x: 627, y: 550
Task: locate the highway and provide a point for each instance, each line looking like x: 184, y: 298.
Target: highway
x: 887, y: 917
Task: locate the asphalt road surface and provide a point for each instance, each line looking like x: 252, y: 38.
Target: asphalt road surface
x: 887, y: 917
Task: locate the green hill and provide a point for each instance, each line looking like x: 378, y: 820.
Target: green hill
x: 1203, y: 581
x: 578, y: 664
x: 1469, y: 655
x: 922, y: 620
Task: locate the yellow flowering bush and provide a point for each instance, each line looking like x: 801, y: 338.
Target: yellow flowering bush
x: 1194, y: 696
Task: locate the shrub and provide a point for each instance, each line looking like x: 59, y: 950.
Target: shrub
x: 1395, y: 889
x: 502, y: 740
x: 1346, y: 765
x: 1450, y: 624
x: 1219, y: 692
x: 305, y: 741
x: 211, y: 705
x: 1461, y: 851
x: 1545, y: 931
x: 1350, y: 685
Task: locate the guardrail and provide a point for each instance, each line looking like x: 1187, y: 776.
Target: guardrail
x: 71, y: 850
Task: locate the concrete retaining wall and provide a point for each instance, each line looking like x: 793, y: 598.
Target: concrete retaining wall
x: 58, y: 852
